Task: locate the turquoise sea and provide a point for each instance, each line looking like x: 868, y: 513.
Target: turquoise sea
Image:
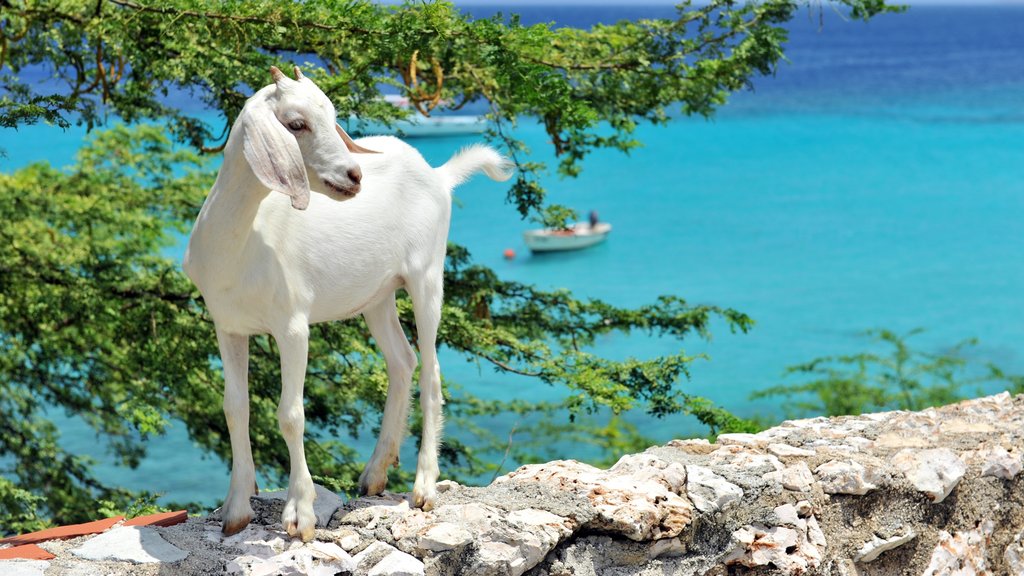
x: 876, y: 181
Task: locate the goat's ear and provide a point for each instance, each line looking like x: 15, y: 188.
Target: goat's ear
x: 350, y: 144
x: 274, y: 156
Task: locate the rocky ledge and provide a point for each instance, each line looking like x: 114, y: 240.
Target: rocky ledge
x: 929, y: 493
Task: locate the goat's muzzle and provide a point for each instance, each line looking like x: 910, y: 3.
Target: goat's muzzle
x: 343, y: 191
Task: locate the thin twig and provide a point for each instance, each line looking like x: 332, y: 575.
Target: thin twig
x: 508, y: 449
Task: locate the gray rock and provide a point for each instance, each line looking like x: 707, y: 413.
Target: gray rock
x: 372, y: 555
x: 268, y: 506
x: 135, y: 544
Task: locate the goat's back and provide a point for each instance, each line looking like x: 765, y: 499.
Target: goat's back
x: 347, y: 255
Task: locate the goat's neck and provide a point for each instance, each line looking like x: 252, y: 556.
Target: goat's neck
x: 228, y: 215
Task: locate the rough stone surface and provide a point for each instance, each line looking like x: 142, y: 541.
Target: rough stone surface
x: 641, y: 497
x: 836, y: 497
x: 23, y: 567
x: 130, y: 544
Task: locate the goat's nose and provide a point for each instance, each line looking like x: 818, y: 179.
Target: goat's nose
x: 355, y: 175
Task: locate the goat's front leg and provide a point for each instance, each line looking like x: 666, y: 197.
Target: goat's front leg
x: 234, y: 352
x: 298, y: 519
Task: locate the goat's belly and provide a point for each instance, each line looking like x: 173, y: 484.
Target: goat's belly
x: 241, y: 314
x: 351, y: 301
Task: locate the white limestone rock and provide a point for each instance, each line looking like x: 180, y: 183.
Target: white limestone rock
x: 641, y: 497
x: 804, y: 508
x: 398, y: 563
x: 962, y: 554
x: 743, y: 459
x: 795, y: 547
x: 347, y: 539
x: 783, y: 450
x: 1000, y: 463
x: 444, y: 536
x: 760, y: 546
x: 935, y: 472
x: 139, y: 545
x: 708, y: 491
x: 1014, y: 555
x: 786, y: 515
x: 874, y: 548
x: 846, y: 477
x: 741, y: 438
x: 446, y: 485
x: 796, y: 477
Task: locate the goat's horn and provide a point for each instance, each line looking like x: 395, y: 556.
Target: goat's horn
x: 298, y: 74
x: 277, y: 75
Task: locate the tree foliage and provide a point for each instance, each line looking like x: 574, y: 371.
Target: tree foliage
x: 902, y: 378
x: 123, y: 57
x: 96, y: 322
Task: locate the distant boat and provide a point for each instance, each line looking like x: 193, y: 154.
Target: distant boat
x: 418, y: 125
x: 575, y: 237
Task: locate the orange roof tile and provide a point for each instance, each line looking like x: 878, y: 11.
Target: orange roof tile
x: 162, y: 519
x: 63, y: 532
x: 26, y: 552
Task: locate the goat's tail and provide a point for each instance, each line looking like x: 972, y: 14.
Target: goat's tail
x: 472, y: 159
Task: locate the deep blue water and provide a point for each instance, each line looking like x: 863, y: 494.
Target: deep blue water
x: 877, y: 180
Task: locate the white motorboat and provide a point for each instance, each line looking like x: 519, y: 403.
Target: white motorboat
x: 418, y: 125
x: 575, y: 237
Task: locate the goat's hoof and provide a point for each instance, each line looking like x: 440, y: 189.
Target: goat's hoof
x: 232, y: 527
x: 424, y: 499
x: 298, y: 520
x: 372, y: 487
x: 293, y: 530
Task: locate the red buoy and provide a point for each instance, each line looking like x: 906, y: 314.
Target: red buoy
x: 509, y: 253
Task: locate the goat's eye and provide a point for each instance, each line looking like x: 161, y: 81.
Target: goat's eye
x: 296, y: 125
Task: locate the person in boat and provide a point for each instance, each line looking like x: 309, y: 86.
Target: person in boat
x: 593, y: 219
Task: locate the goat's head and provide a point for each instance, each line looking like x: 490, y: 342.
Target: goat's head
x: 293, y: 143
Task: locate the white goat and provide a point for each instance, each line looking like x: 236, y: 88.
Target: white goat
x: 267, y: 264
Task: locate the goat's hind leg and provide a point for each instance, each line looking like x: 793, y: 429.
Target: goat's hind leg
x: 426, y: 298
x: 382, y: 320
x: 297, y: 519
x: 234, y: 352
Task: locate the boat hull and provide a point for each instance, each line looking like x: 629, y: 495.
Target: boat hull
x: 577, y: 237
x: 419, y: 127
